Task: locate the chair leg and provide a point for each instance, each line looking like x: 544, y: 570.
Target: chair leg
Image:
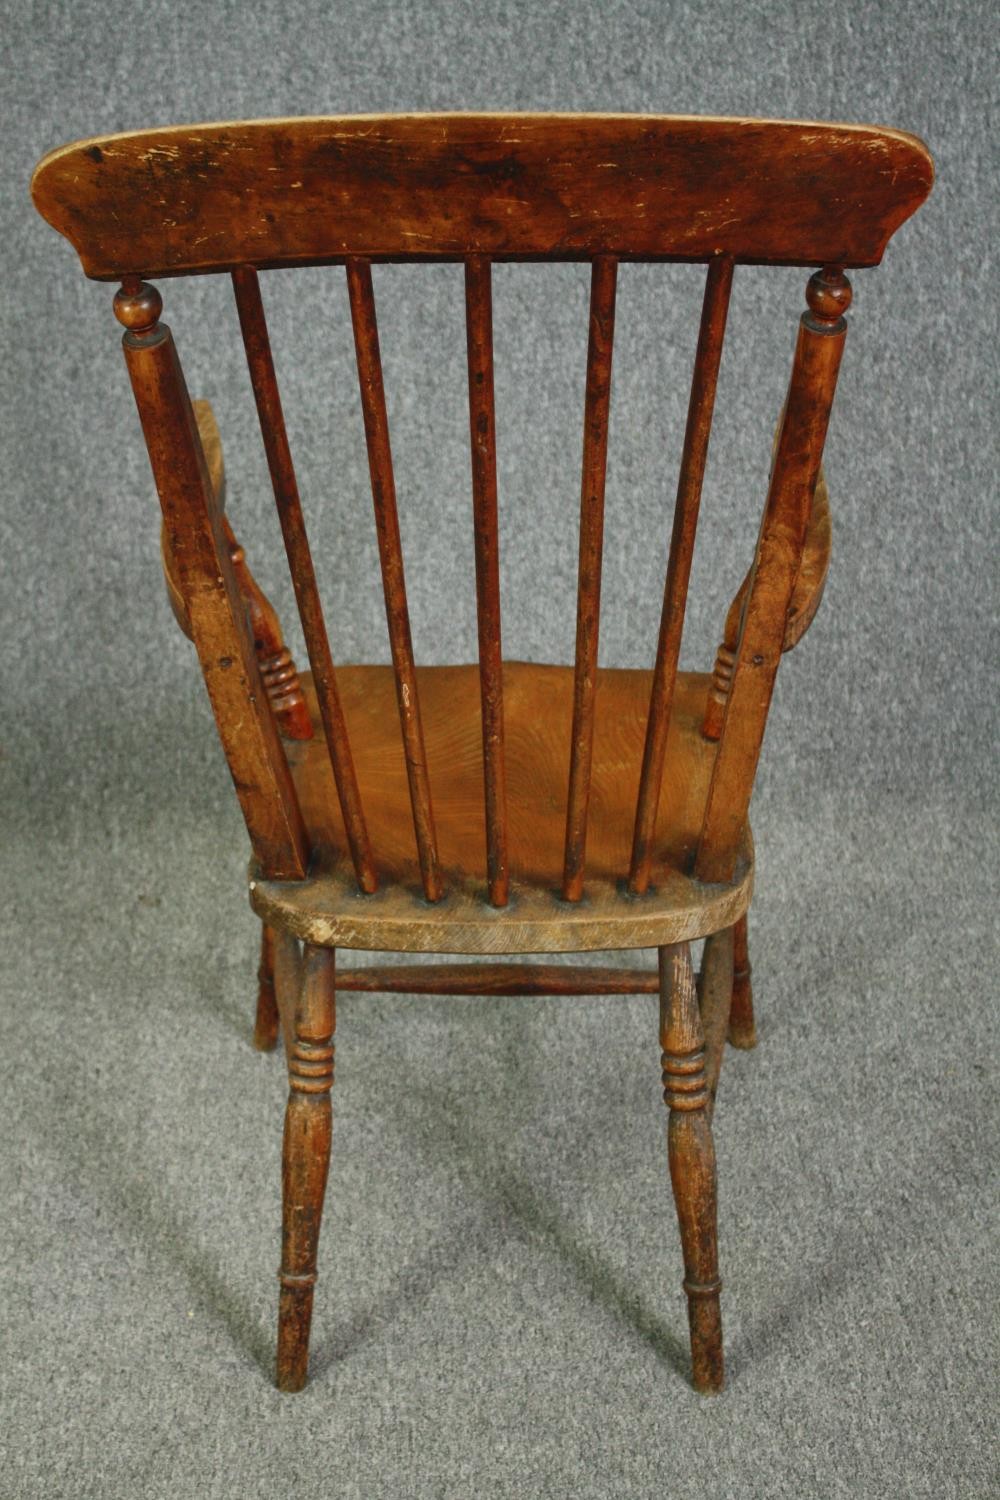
x: 305, y: 1161
x: 265, y: 1030
x: 692, y: 1160
x: 742, y: 1028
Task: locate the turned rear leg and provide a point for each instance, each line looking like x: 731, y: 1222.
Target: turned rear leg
x: 692, y: 1160
x: 265, y: 1031
x: 305, y: 1161
x: 742, y: 1028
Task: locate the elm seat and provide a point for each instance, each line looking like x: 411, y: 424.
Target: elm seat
x: 538, y: 703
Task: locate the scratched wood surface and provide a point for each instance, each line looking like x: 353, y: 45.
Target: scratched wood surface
x: 538, y: 703
x: 277, y: 669
x: 197, y: 198
x: 508, y: 782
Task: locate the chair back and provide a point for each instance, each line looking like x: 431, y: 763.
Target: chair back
x: 243, y: 198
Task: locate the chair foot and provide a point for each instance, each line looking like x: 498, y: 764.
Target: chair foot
x: 305, y: 1162
x: 265, y: 1030
x: 294, y: 1322
x: 692, y: 1160
x: 742, y: 1027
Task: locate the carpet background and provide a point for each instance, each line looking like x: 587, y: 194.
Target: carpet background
x: 499, y: 1310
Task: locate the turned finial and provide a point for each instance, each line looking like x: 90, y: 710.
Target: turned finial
x: 138, y: 305
x: 829, y: 296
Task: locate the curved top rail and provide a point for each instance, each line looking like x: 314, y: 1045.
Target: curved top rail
x: 192, y: 199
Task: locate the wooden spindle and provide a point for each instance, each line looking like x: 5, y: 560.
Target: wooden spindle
x: 482, y: 424
x: 205, y: 577
x: 779, y: 550
x: 588, y: 607
x: 711, y: 335
x: 362, y: 298
x: 497, y: 979
x: 286, y: 497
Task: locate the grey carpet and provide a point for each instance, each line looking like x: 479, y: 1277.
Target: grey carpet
x: 499, y: 1311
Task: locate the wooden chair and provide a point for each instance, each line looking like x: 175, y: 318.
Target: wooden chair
x: 501, y: 808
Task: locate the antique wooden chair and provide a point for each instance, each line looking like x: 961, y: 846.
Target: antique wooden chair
x: 501, y: 808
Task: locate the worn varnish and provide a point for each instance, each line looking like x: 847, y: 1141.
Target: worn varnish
x: 253, y: 326
x: 691, y: 1151
x: 195, y: 198
x: 390, y: 549
x: 794, y: 476
x: 499, y: 808
x: 207, y: 585
x: 483, y: 443
x: 277, y: 669
x: 718, y: 285
x: 597, y: 404
x: 539, y: 708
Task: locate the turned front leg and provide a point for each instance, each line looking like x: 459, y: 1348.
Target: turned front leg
x: 692, y: 1159
x: 305, y: 1161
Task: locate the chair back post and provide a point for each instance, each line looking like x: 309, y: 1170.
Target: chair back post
x: 799, y: 454
x: 215, y: 609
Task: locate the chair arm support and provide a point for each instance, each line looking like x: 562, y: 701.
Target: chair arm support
x: 277, y: 668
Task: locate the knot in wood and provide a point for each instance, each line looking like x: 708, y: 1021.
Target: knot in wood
x: 828, y: 295
x: 138, y: 306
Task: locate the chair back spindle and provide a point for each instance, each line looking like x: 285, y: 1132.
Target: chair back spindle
x: 390, y: 550
x: 482, y: 434
x: 250, y: 308
x: 597, y: 405
x: 794, y: 473
x: 478, y: 189
x: 708, y: 355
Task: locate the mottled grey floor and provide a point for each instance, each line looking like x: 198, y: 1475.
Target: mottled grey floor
x: 500, y: 1312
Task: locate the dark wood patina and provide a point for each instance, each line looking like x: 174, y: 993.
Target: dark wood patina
x: 502, y: 808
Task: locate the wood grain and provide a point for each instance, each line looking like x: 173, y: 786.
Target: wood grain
x: 305, y: 1160
x: 538, y: 703
x: 277, y: 669
x: 691, y: 1153
x: 776, y: 565
x: 208, y: 587
x: 430, y: 741
x: 482, y: 432
x: 708, y: 355
x: 267, y: 398
x: 390, y: 551
x: 497, y: 979
x: 597, y: 405
x: 742, y: 1025
x: 197, y: 198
